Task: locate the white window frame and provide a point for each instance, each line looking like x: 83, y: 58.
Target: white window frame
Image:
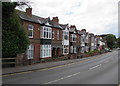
x: 45, y: 51
x: 31, y: 30
x: 30, y: 51
x: 65, y: 47
x: 82, y: 49
x: 66, y: 33
x: 74, y: 36
x: 73, y: 49
x: 47, y: 31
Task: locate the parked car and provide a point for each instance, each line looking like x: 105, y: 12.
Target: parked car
x: 108, y: 50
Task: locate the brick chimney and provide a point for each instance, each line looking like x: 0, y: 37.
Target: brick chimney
x: 29, y: 11
x: 72, y: 26
x: 55, y: 19
x: 83, y: 30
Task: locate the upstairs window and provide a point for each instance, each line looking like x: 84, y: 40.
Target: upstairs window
x: 73, y: 37
x: 66, y: 35
x: 30, y: 31
x: 46, y: 32
x: 82, y: 39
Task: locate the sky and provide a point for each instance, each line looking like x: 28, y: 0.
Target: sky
x: 96, y: 16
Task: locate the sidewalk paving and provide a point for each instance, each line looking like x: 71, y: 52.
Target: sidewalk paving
x: 40, y: 66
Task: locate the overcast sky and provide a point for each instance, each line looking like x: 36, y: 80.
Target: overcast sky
x: 96, y: 16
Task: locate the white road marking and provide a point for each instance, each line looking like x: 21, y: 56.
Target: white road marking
x: 95, y: 67
x: 62, y: 78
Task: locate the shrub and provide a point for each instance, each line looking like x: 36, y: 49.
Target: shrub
x: 14, y: 38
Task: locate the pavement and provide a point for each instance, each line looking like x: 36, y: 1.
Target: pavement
x: 101, y: 69
x: 41, y: 65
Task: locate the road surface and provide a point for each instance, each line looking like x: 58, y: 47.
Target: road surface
x: 101, y: 69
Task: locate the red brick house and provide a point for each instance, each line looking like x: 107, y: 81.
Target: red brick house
x: 39, y: 32
x: 56, y: 38
x: 92, y: 42
x: 78, y: 40
x: 32, y: 28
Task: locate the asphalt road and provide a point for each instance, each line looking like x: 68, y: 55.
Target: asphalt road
x: 99, y: 70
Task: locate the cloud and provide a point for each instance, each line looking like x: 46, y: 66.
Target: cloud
x: 97, y: 16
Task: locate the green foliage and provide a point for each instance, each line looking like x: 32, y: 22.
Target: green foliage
x: 8, y: 8
x: 118, y: 42
x: 14, y: 39
x: 92, y: 52
x: 110, y: 39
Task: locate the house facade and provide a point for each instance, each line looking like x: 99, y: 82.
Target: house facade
x: 39, y: 32
x: 46, y: 39
x: 73, y: 41
x: 56, y: 38
x: 92, y: 42
x: 82, y: 40
x: 87, y: 42
x: 65, y: 39
x: 78, y: 40
x: 32, y: 29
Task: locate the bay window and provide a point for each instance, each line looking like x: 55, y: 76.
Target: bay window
x: 45, y: 51
x: 73, y: 36
x: 65, y: 49
x: 73, y: 49
x: 46, y: 32
x: 66, y: 35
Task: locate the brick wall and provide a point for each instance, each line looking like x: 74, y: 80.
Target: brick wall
x: 78, y: 39
x: 36, y: 52
x: 55, y: 34
x: 35, y: 40
x: 36, y: 32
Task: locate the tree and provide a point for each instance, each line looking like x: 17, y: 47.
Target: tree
x: 110, y: 39
x: 118, y: 42
x: 14, y: 38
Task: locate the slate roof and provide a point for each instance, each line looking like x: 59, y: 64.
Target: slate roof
x: 64, y: 26
x: 40, y: 20
x: 56, y: 25
x: 33, y: 18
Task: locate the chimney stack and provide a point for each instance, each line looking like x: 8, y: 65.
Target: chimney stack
x: 72, y: 26
x: 55, y: 19
x: 83, y: 30
x: 29, y: 11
